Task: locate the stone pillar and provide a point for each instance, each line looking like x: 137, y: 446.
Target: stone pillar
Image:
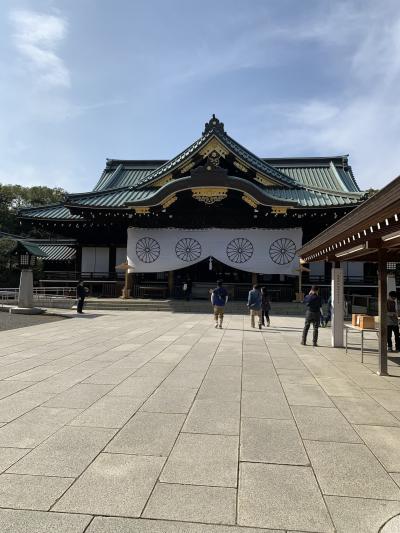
x: 171, y: 283
x: 25, y: 297
x: 382, y: 301
x: 337, y: 307
x: 391, y: 282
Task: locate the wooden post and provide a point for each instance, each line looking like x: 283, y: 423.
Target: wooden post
x: 382, y: 298
x: 337, y: 295
x: 170, y: 283
x: 254, y: 279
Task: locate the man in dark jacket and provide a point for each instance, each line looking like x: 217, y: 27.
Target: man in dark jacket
x: 81, y: 292
x: 219, y: 297
x: 313, y: 305
x: 254, y: 303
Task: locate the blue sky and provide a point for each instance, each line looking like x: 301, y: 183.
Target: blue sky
x: 83, y: 80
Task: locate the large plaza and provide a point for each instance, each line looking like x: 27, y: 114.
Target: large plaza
x: 133, y: 422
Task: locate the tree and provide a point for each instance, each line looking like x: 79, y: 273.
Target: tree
x: 14, y: 197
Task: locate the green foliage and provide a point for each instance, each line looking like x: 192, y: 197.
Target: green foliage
x: 14, y: 197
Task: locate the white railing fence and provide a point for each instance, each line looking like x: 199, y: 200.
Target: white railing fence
x: 44, y: 296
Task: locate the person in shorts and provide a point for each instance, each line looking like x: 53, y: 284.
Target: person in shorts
x: 254, y: 303
x: 219, y: 297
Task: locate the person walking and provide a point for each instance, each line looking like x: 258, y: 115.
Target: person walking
x: 81, y: 292
x: 219, y: 298
x: 328, y: 316
x: 392, y: 322
x: 313, y: 305
x: 187, y: 289
x: 265, y: 307
x: 254, y: 303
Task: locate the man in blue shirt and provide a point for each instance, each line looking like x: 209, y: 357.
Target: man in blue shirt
x: 254, y: 303
x: 313, y: 305
x: 219, y: 297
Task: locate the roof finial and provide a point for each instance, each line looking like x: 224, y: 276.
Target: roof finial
x: 213, y: 124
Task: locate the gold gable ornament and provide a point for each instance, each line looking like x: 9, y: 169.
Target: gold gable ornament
x: 214, y: 146
x: 279, y: 210
x: 169, y: 201
x: 162, y: 181
x: 210, y: 195
x: 250, y: 200
x: 142, y: 210
x: 240, y: 166
x: 263, y: 180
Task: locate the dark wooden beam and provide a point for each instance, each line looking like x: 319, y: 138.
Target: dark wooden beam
x: 382, y: 299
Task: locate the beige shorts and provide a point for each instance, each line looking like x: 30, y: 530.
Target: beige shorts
x: 218, y: 310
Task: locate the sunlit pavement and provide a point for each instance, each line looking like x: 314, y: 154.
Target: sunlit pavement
x: 128, y: 422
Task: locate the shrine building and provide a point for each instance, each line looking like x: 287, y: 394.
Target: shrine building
x: 216, y: 210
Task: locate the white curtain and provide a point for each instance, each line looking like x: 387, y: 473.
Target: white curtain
x: 265, y: 251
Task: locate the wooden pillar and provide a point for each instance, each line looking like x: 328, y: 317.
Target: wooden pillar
x: 382, y: 300
x: 254, y: 278
x: 171, y: 283
x: 128, y: 287
x: 337, y: 294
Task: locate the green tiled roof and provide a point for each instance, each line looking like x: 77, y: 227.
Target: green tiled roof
x: 314, y: 182
x: 56, y: 252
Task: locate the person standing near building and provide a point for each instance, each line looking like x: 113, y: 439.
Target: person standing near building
x: 254, y: 303
x: 313, y: 313
x: 392, y: 322
x: 187, y: 289
x: 219, y: 298
x: 81, y: 292
x: 265, y: 306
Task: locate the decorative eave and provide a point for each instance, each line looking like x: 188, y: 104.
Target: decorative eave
x: 216, y: 179
x: 215, y: 138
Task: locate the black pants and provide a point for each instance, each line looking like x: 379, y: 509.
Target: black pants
x: 395, y: 330
x: 311, y: 318
x: 79, y: 307
x: 264, y: 315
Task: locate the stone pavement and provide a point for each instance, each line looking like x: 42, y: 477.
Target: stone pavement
x: 137, y: 422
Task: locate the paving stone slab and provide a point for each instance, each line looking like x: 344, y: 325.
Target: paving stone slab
x: 10, y: 387
x: 213, y: 417
x: 341, y: 387
x: 16, y: 405
x: 136, y: 387
x: 163, y: 401
x: 283, y: 497
x: 323, y: 423
x: 13, y: 521
x: 350, y: 470
x: 31, y: 492
x: 114, y: 484
x: 131, y: 525
x: 80, y: 396
x: 9, y: 456
x: 389, y: 399
x: 212, y: 505
x: 314, y: 395
x: 356, y: 515
x: 67, y: 453
x: 148, y: 434
x: 271, y: 441
x: 108, y: 412
x: 365, y: 411
x: 203, y: 460
x: 34, y: 427
x: 384, y: 442
x: 266, y: 404
x: 392, y: 526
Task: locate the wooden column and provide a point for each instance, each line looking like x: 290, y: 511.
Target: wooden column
x: 171, y: 282
x: 254, y: 278
x: 337, y: 294
x: 382, y: 299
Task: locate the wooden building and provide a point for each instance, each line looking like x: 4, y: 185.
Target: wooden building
x: 215, y: 210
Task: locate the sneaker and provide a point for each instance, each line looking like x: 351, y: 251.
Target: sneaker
x: 303, y: 343
x: 220, y: 326
x: 268, y: 324
x: 216, y: 325
x: 390, y: 350
x: 315, y: 344
x: 259, y: 326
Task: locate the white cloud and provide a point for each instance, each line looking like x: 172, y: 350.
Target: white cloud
x: 36, y: 37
